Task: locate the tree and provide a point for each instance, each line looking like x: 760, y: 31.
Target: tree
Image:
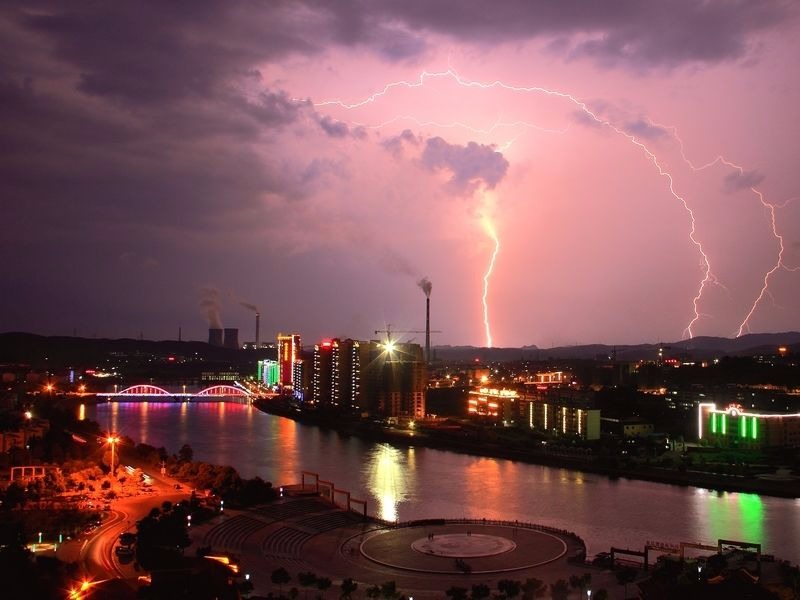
x: 532, y: 588
x: 625, y: 576
x: 185, y: 454
x: 14, y: 496
x: 601, y: 594
x: 480, y: 591
x: 389, y: 590
x: 279, y: 577
x: 306, y: 579
x: 456, y: 593
x: 559, y: 590
x: 580, y: 581
x: 510, y: 588
x: 348, y: 587
x: 323, y: 583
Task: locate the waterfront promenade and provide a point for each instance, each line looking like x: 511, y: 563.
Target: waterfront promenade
x: 424, y: 558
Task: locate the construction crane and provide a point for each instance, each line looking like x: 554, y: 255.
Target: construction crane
x: 390, y: 342
x: 389, y: 331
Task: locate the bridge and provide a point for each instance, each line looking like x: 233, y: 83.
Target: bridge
x: 145, y: 392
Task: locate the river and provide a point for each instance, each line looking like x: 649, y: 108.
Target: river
x: 413, y: 483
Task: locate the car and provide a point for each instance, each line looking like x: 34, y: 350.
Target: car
x: 127, y: 538
x: 178, y: 486
x: 124, y: 551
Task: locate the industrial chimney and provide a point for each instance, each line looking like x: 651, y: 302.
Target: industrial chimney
x: 426, y: 286
x: 427, y: 329
x: 231, y: 338
x: 215, y: 336
x: 258, y: 324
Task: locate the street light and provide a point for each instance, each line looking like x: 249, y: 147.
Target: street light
x: 113, y: 440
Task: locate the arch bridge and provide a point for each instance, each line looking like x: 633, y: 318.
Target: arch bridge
x: 145, y: 392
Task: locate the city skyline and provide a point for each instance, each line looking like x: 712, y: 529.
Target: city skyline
x: 550, y: 174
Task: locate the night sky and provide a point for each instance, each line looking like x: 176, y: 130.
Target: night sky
x: 633, y: 168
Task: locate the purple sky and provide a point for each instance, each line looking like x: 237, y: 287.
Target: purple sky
x: 633, y: 165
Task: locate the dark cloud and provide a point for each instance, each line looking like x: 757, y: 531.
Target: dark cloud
x: 395, y: 144
x: 469, y: 165
x: 333, y: 127
x: 147, y: 52
x: 624, y: 32
x: 743, y: 180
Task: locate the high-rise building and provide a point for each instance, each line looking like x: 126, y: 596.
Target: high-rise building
x: 337, y: 373
x: 393, y: 379
x: 268, y: 372
x: 288, y: 352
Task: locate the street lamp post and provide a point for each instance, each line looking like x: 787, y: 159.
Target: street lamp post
x: 113, y: 440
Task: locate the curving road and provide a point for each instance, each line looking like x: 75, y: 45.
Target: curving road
x: 97, y: 557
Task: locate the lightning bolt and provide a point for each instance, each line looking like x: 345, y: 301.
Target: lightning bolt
x: 770, y: 208
x: 492, y: 233
x: 708, y: 277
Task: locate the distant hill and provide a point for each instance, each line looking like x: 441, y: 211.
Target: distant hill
x: 28, y: 348
x: 32, y: 349
x: 697, y: 348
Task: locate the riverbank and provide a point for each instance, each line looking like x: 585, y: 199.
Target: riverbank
x: 788, y: 488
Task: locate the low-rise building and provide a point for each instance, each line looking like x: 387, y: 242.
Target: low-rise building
x: 737, y: 427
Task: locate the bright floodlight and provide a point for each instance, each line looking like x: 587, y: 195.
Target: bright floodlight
x: 389, y: 346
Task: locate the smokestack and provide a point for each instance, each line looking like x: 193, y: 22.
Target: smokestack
x: 258, y: 324
x: 426, y: 286
x: 428, y: 329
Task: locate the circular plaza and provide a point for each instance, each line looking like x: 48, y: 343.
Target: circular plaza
x: 450, y: 548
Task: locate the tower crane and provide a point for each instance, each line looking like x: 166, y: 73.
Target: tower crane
x: 389, y: 331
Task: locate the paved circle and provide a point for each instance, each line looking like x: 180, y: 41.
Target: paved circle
x: 463, y: 545
x: 525, y: 548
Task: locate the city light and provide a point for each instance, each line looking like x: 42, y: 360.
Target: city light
x: 113, y: 441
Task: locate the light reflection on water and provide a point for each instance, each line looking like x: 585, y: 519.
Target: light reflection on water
x: 388, y: 478
x: 416, y: 483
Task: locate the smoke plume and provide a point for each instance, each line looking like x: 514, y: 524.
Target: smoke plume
x: 252, y: 307
x: 426, y: 286
x: 211, y: 304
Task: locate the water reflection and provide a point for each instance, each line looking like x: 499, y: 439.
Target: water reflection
x: 733, y: 516
x: 387, y: 479
x: 82, y: 412
x: 402, y: 484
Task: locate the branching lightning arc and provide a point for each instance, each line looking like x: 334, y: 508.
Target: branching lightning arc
x: 707, y: 278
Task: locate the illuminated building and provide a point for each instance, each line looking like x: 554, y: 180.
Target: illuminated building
x: 558, y: 411
x: 301, y: 376
x: 268, y: 372
x: 500, y: 404
x: 393, y: 379
x: 337, y: 373
x: 735, y: 426
x: 288, y: 352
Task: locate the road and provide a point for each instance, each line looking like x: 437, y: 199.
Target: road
x: 97, y: 558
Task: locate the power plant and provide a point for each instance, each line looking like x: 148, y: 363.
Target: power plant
x: 215, y: 336
x: 231, y: 338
